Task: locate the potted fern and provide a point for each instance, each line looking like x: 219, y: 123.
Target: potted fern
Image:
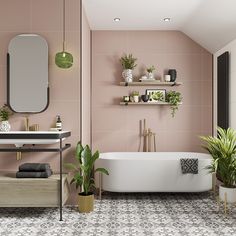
x: 128, y: 64
x: 223, y: 150
x: 174, y: 98
x: 150, y: 72
x: 5, y: 113
x: 83, y: 176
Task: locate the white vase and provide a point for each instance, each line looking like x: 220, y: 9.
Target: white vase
x: 127, y: 75
x: 150, y: 75
x: 136, y: 98
x: 5, y: 126
x: 229, y: 193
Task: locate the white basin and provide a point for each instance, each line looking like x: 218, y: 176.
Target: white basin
x: 19, y: 142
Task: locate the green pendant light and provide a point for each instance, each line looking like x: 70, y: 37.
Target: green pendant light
x: 64, y: 59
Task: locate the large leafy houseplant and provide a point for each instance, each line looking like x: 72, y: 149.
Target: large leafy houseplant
x: 223, y: 150
x: 84, y: 169
x: 174, y: 98
x: 83, y: 172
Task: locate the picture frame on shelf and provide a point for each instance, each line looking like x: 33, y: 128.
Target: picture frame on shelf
x: 156, y: 95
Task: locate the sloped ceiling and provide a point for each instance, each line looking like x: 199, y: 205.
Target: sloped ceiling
x: 211, y: 23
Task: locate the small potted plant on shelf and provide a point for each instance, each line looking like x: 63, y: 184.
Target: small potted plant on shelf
x: 128, y: 64
x: 223, y: 150
x: 174, y: 98
x: 150, y: 72
x: 135, y: 95
x: 5, y: 113
x: 83, y: 176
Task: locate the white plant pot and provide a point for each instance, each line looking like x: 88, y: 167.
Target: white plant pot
x: 136, y: 98
x: 229, y: 193
x: 150, y: 75
x: 5, y: 126
x: 128, y: 75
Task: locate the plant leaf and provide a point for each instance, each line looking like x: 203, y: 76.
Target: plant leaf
x: 102, y: 170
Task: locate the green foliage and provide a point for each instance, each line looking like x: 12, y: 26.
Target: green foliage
x: 128, y: 62
x: 150, y: 69
x: 223, y: 151
x: 135, y: 93
x: 84, y: 168
x: 174, y: 98
x: 5, y: 112
x: 157, y: 96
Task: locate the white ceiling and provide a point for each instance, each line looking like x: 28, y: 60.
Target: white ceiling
x: 211, y: 23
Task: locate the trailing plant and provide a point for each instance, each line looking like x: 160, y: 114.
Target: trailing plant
x: 128, y: 62
x: 84, y: 168
x: 223, y: 150
x: 174, y: 98
x: 135, y: 93
x: 5, y: 113
x: 150, y: 69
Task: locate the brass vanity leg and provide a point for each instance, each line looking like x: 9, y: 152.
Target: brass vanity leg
x: 225, y: 203
x: 100, y: 186
x: 214, y: 183
x: 218, y: 203
x: 18, y: 156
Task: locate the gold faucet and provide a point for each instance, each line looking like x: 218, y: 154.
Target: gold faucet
x: 147, y: 139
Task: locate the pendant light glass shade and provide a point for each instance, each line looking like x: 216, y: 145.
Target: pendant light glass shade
x: 64, y: 59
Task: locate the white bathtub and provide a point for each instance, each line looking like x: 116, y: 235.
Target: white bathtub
x: 153, y: 172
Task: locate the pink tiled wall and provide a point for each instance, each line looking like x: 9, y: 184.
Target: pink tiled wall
x: 115, y: 127
x: 44, y: 18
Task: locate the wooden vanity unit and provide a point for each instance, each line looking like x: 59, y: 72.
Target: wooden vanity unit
x: 34, y: 192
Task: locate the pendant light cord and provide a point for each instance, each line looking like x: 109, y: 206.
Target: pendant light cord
x: 64, y: 24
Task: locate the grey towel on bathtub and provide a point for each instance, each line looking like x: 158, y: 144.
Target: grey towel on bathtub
x: 189, y: 165
x: 34, y: 167
x: 34, y: 174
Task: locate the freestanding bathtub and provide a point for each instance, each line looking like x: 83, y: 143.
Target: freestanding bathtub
x: 153, y: 172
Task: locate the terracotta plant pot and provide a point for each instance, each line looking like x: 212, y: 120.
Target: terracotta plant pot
x: 229, y: 193
x: 85, y: 202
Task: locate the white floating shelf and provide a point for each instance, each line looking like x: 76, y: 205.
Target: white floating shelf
x: 151, y: 83
x: 145, y: 103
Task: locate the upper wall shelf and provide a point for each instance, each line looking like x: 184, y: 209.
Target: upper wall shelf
x: 151, y: 83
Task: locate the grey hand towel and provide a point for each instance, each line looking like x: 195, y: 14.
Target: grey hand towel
x: 189, y: 165
x: 34, y: 174
x: 34, y: 167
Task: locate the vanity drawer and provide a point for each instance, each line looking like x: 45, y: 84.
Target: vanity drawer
x: 32, y: 192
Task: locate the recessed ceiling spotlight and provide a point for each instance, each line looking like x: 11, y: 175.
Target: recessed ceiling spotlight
x: 116, y: 19
x: 167, y: 19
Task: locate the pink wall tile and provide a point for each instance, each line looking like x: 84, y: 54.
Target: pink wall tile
x: 164, y: 50
x: 15, y: 15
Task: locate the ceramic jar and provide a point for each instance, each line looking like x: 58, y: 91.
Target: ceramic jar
x: 5, y: 126
x: 128, y: 75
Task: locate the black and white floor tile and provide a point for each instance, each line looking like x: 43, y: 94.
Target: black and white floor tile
x: 125, y: 214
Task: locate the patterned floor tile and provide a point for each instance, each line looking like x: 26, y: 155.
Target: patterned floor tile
x: 132, y: 214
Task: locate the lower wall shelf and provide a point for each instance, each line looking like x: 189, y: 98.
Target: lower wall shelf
x: 145, y: 103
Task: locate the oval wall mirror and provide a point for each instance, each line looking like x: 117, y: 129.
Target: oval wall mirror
x: 27, y: 74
